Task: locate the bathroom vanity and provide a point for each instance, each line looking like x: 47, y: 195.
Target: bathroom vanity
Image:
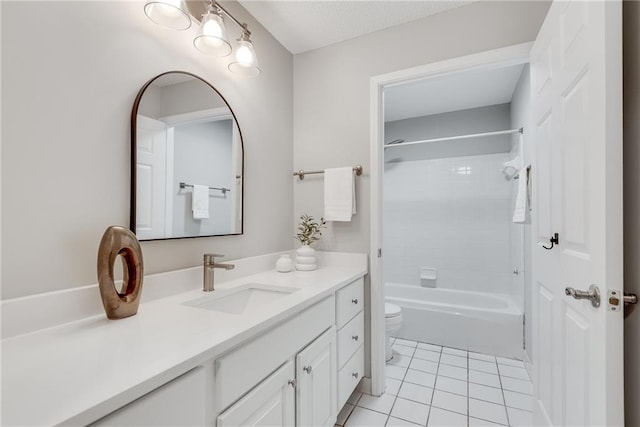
x: 265, y: 348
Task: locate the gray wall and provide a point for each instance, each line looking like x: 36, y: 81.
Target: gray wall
x: 70, y: 73
x: 631, y: 127
x: 331, y: 93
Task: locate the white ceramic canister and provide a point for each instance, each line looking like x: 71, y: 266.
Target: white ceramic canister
x: 284, y: 263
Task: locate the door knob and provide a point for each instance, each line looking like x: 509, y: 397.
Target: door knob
x: 355, y: 338
x: 355, y: 300
x: 307, y: 369
x: 593, y: 294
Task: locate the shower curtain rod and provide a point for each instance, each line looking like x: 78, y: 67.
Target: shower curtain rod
x: 450, y: 138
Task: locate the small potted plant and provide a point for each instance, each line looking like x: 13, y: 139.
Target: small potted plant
x: 309, y: 231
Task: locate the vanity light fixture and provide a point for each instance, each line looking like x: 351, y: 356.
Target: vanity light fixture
x: 212, y: 39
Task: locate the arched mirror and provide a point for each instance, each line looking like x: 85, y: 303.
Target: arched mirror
x: 187, y: 160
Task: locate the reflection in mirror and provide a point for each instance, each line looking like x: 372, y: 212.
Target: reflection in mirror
x: 187, y: 161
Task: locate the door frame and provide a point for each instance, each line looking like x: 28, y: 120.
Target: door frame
x: 492, y: 59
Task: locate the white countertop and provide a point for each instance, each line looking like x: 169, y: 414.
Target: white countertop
x: 77, y: 372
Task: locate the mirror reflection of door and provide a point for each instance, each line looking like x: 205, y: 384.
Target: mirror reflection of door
x: 186, y: 135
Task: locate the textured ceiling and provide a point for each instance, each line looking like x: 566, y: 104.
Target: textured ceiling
x: 302, y: 25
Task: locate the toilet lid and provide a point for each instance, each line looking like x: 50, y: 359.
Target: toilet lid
x: 391, y: 310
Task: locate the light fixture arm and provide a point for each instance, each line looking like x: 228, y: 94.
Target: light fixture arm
x: 242, y: 25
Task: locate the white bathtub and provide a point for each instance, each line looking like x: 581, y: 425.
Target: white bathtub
x: 475, y: 321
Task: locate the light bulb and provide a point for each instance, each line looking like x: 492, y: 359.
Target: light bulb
x: 244, y: 56
x: 246, y: 63
x: 212, y: 29
x: 212, y: 39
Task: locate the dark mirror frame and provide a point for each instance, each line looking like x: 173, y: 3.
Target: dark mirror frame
x: 134, y: 160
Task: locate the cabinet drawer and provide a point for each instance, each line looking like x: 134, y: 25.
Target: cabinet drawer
x: 349, y: 301
x: 350, y: 337
x: 349, y: 376
x: 240, y: 370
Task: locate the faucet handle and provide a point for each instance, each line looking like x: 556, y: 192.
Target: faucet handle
x: 210, y: 258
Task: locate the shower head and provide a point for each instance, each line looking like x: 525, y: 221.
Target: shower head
x: 395, y: 141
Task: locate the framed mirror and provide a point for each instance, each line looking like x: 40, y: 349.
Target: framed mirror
x: 187, y: 160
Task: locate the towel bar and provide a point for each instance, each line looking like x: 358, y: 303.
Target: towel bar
x: 301, y: 173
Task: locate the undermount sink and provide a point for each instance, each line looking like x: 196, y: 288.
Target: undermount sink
x: 241, y: 299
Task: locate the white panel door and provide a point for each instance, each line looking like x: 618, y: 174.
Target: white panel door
x: 316, y: 370
x: 151, y: 172
x: 576, y: 85
x: 270, y: 404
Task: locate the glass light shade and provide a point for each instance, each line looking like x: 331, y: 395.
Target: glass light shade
x: 168, y: 13
x: 246, y: 63
x: 213, y: 36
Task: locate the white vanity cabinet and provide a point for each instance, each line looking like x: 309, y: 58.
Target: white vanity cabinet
x: 316, y: 373
x: 180, y: 402
x: 350, y: 323
x: 270, y: 404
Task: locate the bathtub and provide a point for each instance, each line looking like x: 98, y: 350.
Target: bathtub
x: 475, y: 321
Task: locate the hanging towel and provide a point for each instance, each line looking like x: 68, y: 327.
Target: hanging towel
x: 200, y: 202
x: 339, y: 194
x: 520, y: 211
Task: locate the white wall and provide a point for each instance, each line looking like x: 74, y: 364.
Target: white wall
x: 71, y: 71
x: 631, y: 128
x: 449, y: 209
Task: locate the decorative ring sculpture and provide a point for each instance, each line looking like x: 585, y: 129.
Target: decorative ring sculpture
x: 120, y: 241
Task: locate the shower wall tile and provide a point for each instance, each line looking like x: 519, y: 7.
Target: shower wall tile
x: 451, y: 214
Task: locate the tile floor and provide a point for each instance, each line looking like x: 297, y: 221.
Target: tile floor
x: 429, y: 385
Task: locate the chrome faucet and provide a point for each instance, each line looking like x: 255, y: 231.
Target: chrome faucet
x: 209, y: 265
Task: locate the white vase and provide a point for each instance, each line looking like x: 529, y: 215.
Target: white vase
x: 284, y: 263
x: 306, y: 258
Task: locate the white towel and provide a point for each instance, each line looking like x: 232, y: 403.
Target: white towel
x: 520, y: 211
x: 339, y: 194
x: 200, y: 202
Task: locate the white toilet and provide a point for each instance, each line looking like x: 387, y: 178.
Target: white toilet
x: 392, y: 323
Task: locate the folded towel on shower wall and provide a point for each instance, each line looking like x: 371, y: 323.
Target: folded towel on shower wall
x: 339, y: 194
x: 200, y: 202
x: 520, y: 211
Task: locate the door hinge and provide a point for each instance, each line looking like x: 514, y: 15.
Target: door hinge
x: 379, y: 252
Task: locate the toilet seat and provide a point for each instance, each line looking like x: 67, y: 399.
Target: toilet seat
x: 391, y: 310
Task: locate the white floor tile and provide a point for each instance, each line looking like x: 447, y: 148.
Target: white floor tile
x: 408, y: 343
x: 454, y: 351
x: 396, y: 372
x: 410, y: 411
x: 397, y: 422
x: 518, y: 418
x: 361, y: 417
x: 481, y: 356
x: 453, y: 372
x: 344, y: 414
x: 382, y: 403
x: 416, y: 392
x: 513, y: 372
x: 450, y: 359
x: 518, y: 400
x: 483, y: 392
x: 424, y: 365
x: 449, y: 401
x: 517, y: 385
x: 427, y: 355
x: 484, y: 366
x: 452, y: 385
x: 421, y: 378
x: 487, y: 411
x: 431, y: 347
x: 439, y: 417
x: 484, y: 378
x: 393, y: 386
x: 403, y: 349
x: 511, y: 362
x: 399, y: 360
x: 473, y: 422
x: 355, y: 396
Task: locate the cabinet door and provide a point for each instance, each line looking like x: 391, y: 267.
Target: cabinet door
x: 316, y: 371
x: 271, y: 403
